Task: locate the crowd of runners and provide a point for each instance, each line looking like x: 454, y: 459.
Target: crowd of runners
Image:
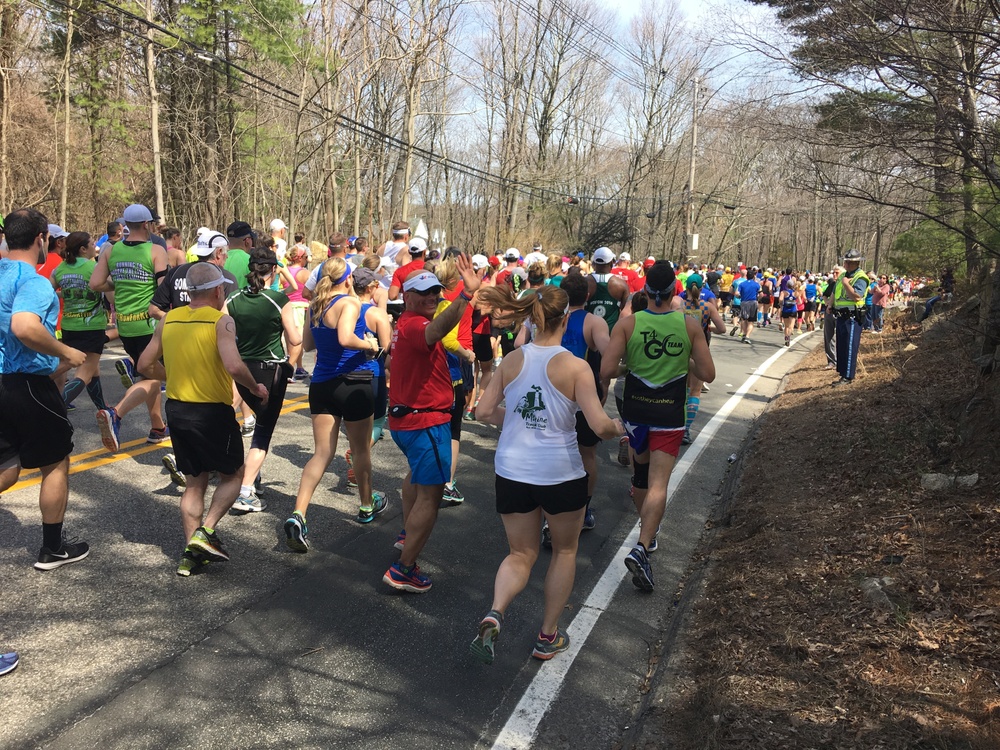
x: 411, y: 342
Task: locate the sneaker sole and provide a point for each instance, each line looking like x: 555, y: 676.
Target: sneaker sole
x: 623, y: 456
x: 127, y: 381
x: 208, y: 551
x: 405, y: 586
x: 157, y: 441
x: 107, y: 433
x: 399, y: 545
x: 59, y: 563
x: 366, y: 516
x: 248, y: 508
x: 546, y: 655
x: 294, y: 541
x: 638, y: 575
x: 175, y: 475
x: 482, y: 647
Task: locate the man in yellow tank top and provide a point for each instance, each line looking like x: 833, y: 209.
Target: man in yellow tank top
x: 200, y: 361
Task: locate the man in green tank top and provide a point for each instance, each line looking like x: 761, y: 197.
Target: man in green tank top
x: 132, y: 269
x: 657, y: 344
x: 608, y: 292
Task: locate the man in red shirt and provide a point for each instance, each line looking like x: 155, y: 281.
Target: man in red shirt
x: 420, y: 407
x: 417, y: 250
x: 512, y: 256
x: 630, y: 276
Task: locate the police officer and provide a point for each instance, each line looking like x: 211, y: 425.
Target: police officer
x: 849, y: 312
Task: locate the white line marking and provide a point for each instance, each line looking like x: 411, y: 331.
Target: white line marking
x: 522, y: 726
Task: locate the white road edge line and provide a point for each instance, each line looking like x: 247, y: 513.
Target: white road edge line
x: 522, y: 726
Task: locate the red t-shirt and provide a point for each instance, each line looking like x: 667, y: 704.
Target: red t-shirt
x: 503, y: 277
x: 465, y: 322
x: 420, y: 378
x: 403, y: 271
x: 631, y: 277
x: 52, y: 261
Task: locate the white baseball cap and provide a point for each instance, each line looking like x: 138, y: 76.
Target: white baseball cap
x: 512, y: 253
x: 625, y: 256
x: 56, y: 231
x: 603, y: 255
x: 210, y: 242
x: 417, y: 246
x: 480, y: 261
x: 277, y: 225
x: 422, y: 282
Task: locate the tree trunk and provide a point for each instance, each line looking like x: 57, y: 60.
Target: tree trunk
x: 154, y: 113
x: 64, y: 191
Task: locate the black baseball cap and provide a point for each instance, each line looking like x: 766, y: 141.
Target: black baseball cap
x: 240, y: 229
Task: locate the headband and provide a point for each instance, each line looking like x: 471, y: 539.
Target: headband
x: 657, y: 294
x: 211, y: 284
x: 343, y: 278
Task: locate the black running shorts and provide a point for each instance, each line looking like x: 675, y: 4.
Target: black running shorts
x: 585, y: 436
x: 482, y: 346
x: 519, y: 497
x: 351, y: 400
x: 135, y: 345
x: 34, y: 427
x: 89, y: 342
x: 206, y: 437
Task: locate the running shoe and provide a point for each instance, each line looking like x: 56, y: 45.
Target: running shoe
x: 209, y: 545
x: 8, y: 662
x: 169, y: 462
x: 379, y: 503
x: 248, y: 426
x: 686, y: 440
x: 623, y: 445
x: 735, y: 329
x: 705, y: 388
x: 190, y: 562
x: 297, y: 533
x: 746, y: 340
x: 589, y: 522
x: 407, y: 579
x: 637, y: 563
x: 489, y: 630
x: 788, y: 340
x: 298, y: 376
x: 70, y: 552
x: 452, y: 496
x: 126, y: 371
x: 546, y: 535
x: 469, y: 416
x: 158, y: 436
x: 249, y: 504
x: 546, y: 649
x: 69, y: 407
x: 400, y: 540
x: 110, y: 425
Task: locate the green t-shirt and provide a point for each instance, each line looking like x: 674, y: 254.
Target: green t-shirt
x: 238, y: 264
x: 131, y: 268
x: 82, y: 309
x: 258, y: 324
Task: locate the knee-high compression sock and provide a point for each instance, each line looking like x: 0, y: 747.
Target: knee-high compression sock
x: 73, y: 388
x: 692, y: 411
x: 377, y: 427
x: 96, y: 392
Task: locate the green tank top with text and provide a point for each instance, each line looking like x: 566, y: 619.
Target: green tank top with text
x: 83, y: 310
x: 131, y: 267
x: 658, y: 349
x: 601, y: 303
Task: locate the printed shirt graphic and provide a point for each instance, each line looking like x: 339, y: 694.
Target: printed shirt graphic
x: 531, y: 408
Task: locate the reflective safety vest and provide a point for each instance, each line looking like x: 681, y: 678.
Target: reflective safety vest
x: 840, y: 298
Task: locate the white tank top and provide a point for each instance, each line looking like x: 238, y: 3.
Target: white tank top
x: 538, y: 442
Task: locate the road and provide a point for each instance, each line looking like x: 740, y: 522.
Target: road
x: 280, y: 649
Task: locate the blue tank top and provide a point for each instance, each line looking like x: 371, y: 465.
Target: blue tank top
x: 375, y: 365
x: 574, y: 339
x: 332, y: 359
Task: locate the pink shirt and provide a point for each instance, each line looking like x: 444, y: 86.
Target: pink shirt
x: 879, y: 293
x: 296, y: 296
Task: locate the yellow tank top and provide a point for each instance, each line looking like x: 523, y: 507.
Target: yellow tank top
x: 195, y: 372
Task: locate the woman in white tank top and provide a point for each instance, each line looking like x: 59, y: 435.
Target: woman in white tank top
x: 539, y: 471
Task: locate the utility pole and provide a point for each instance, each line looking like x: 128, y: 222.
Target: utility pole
x: 690, y: 228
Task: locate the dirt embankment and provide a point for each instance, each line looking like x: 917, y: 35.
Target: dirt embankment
x: 846, y: 606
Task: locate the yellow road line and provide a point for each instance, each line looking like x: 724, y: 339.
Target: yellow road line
x: 80, y: 463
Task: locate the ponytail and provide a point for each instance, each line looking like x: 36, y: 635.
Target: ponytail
x: 544, y: 308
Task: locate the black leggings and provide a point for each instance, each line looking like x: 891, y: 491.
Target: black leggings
x: 275, y: 376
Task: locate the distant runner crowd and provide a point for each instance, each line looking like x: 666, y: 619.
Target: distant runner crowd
x: 410, y: 342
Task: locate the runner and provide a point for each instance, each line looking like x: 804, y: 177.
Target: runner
x: 749, y: 292
x: 544, y: 387
x: 419, y: 414
x: 35, y: 432
x: 84, y: 321
x: 297, y: 260
x: 200, y: 361
x: 812, y: 296
x: 656, y: 345
x: 586, y: 337
x: 704, y: 311
x: 132, y: 269
x: 482, y: 338
x: 607, y: 292
x: 241, y: 241
x: 378, y: 325
x: 340, y: 391
x: 766, y: 298
x: 175, y: 250
x: 261, y: 316
x: 787, y: 302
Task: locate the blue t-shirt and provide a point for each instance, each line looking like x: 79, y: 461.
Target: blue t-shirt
x: 749, y: 290
x: 22, y: 289
x: 810, y: 292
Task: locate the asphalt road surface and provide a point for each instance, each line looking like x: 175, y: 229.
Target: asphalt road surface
x: 313, y: 651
